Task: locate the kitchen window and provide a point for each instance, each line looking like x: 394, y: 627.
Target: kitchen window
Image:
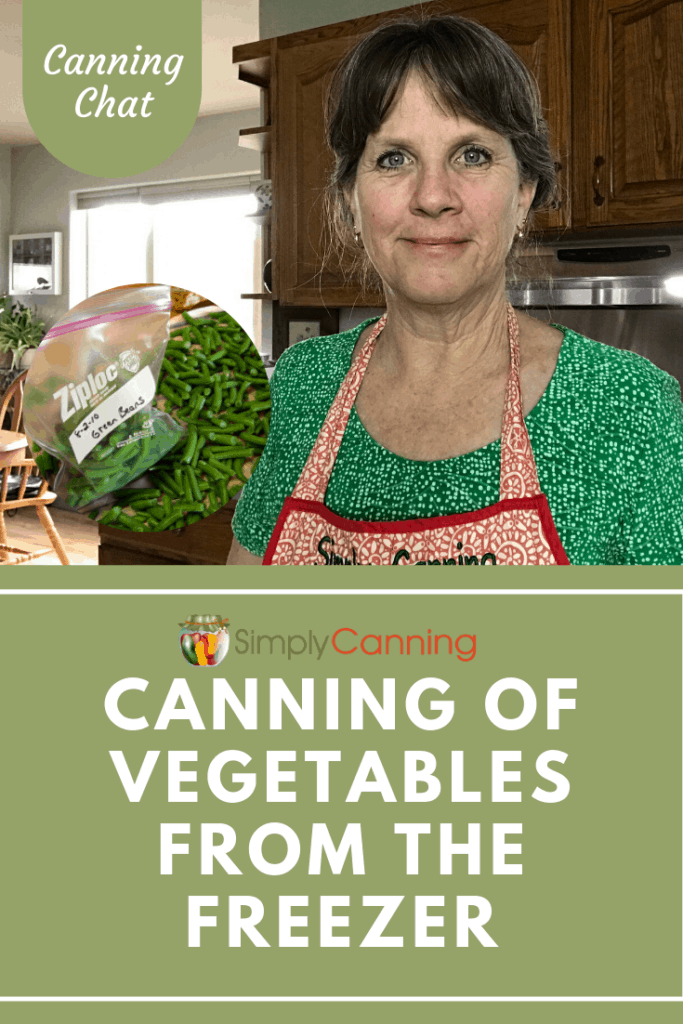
x: 194, y: 234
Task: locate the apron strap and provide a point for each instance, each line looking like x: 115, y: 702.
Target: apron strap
x: 518, y: 476
x: 315, y: 475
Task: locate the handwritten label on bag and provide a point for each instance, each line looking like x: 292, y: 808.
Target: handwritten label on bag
x: 133, y: 396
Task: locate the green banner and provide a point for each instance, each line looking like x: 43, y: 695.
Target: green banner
x: 345, y: 795
x: 111, y: 90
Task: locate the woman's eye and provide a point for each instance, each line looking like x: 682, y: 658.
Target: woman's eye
x: 392, y: 160
x: 477, y: 151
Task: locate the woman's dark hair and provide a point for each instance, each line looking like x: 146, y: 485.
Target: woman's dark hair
x: 474, y: 73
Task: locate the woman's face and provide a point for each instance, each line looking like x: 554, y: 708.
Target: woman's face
x: 437, y: 200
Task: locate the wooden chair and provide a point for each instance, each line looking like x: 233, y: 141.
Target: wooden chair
x: 14, y: 456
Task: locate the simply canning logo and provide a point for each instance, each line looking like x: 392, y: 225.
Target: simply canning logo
x: 347, y: 640
x: 204, y: 639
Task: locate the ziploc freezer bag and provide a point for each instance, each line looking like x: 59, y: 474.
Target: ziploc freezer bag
x: 88, y: 397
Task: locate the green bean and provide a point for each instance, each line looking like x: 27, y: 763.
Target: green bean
x: 194, y: 484
x: 218, y: 466
x: 103, y: 453
x: 169, y: 520
x: 219, y: 354
x: 168, y: 392
x: 142, y: 504
x: 187, y: 489
x: 135, y: 520
x: 229, y: 428
x: 190, y: 446
x: 170, y: 484
x: 223, y: 454
x: 238, y: 471
x: 217, y: 399
x: 111, y: 515
x: 210, y: 470
x: 247, y: 453
x: 201, y: 441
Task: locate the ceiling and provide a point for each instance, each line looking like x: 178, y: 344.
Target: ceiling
x: 225, y: 23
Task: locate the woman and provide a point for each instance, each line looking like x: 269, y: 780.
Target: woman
x: 454, y: 430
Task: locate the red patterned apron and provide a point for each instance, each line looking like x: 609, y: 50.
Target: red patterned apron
x: 517, y: 530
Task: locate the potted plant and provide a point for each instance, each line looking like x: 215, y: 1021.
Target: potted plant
x: 20, y: 331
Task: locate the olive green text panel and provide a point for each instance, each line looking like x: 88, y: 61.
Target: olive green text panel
x: 594, y: 912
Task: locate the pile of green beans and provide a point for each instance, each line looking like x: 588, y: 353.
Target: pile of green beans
x: 213, y: 383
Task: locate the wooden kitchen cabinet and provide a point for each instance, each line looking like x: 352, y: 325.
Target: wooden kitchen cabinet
x: 628, y: 112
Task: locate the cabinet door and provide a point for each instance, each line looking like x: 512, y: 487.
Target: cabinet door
x: 537, y: 30
x: 308, y: 273
x: 628, y: 126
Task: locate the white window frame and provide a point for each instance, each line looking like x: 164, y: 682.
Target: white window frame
x: 155, y: 191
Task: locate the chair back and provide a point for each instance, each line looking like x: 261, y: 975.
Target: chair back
x: 14, y: 396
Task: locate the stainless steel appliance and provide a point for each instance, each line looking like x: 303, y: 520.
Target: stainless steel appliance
x: 623, y: 292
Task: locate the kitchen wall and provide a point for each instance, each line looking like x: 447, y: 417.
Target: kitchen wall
x: 40, y: 185
x: 278, y: 17
x: 5, y: 211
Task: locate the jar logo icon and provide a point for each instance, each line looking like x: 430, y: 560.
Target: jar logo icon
x: 204, y: 639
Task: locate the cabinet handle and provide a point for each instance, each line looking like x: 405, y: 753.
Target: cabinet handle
x: 598, y: 199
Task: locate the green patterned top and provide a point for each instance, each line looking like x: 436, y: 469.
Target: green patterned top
x: 607, y: 435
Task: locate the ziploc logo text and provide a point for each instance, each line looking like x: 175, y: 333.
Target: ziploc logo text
x: 81, y: 394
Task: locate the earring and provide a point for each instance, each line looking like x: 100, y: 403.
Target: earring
x: 356, y: 236
x: 520, y: 231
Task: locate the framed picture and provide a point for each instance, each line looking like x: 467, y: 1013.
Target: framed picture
x: 293, y: 324
x: 35, y: 263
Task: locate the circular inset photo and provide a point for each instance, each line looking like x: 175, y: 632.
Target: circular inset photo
x: 148, y: 407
